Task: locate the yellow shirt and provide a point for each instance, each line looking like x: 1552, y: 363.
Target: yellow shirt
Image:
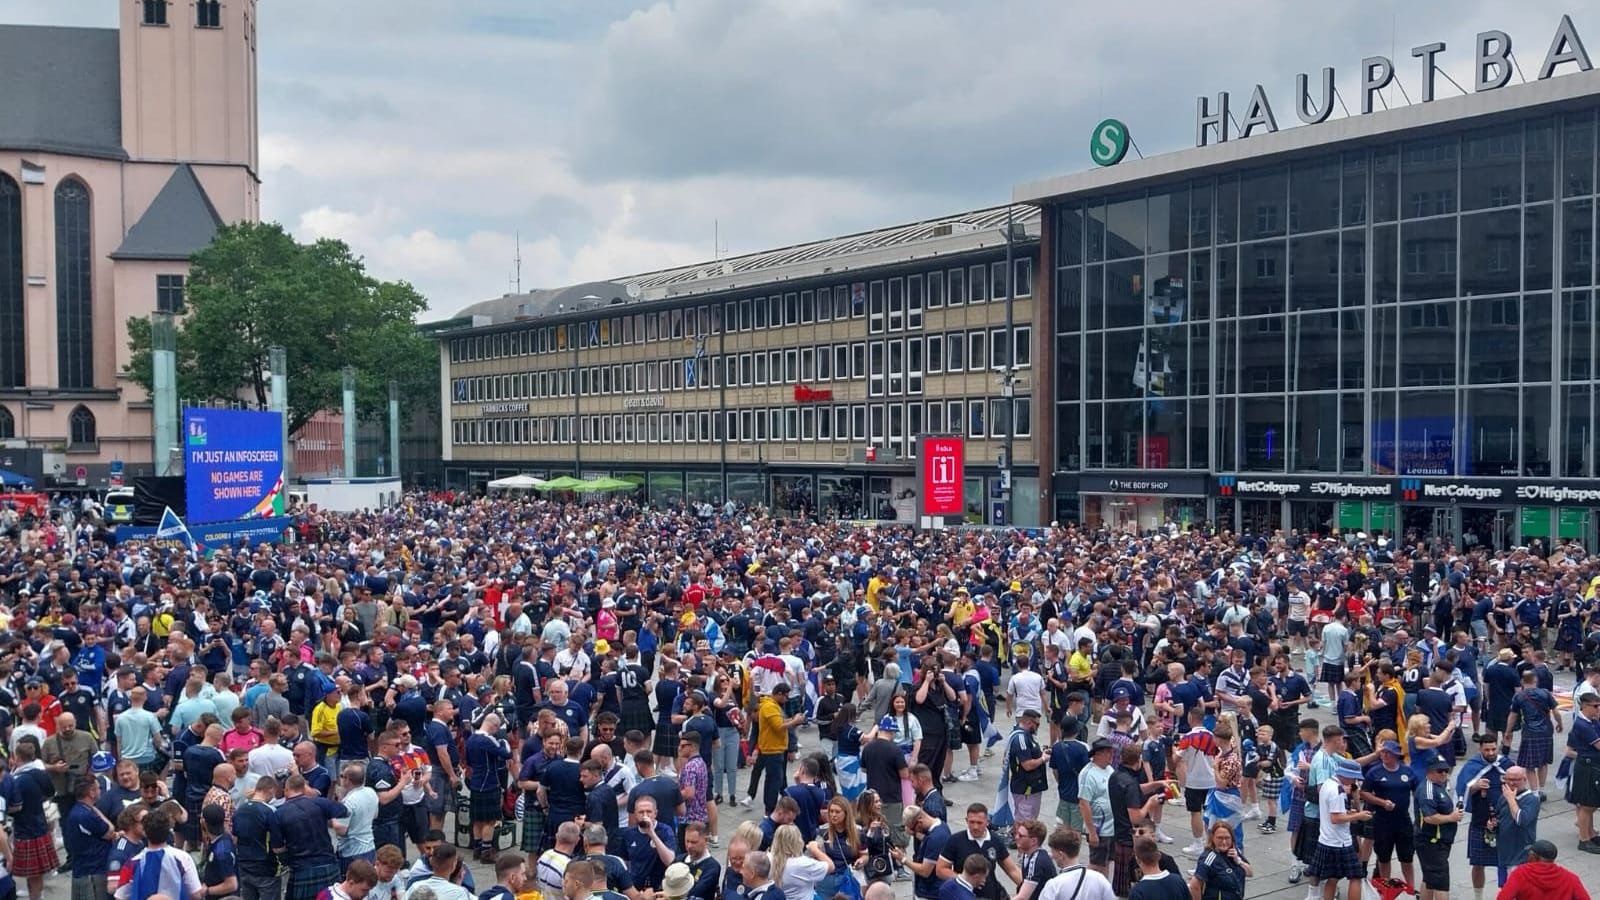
x: 961, y: 610
x: 325, y: 718
x: 874, y: 586
x: 771, y: 736
x: 1078, y: 666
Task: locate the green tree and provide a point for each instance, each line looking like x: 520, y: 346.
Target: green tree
x: 255, y: 287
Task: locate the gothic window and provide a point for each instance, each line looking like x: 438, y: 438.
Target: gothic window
x: 83, y: 432
x: 74, y: 294
x: 12, y: 370
x: 8, y: 424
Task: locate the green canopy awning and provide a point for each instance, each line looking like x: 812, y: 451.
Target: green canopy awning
x: 564, y: 483
x: 606, y: 484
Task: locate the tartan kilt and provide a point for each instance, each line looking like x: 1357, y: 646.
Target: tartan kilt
x: 1123, y: 866
x: 1479, y: 853
x: 637, y: 717
x: 1536, y: 750
x: 34, y: 856
x: 667, y: 741
x: 1336, y: 862
x: 486, y: 805
x: 306, y: 880
x: 533, y: 819
x: 1269, y: 786
x: 1296, y: 813
x: 1585, y: 782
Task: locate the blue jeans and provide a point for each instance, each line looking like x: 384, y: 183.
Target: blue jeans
x: 725, y: 764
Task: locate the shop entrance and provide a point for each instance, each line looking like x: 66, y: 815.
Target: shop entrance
x: 1491, y: 527
x: 1260, y: 517
x: 1311, y: 517
x: 1433, y: 525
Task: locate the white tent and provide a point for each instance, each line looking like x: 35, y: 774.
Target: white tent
x: 515, y: 483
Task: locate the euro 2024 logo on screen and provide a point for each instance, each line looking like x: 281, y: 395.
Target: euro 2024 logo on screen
x: 197, y: 432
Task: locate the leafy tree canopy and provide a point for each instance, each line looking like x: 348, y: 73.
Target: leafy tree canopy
x: 255, y: 287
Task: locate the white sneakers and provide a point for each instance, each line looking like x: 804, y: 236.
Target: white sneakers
x: 1162, y: 837
x: 1193, y: 849
x: 1253, y: 812
x: 969, y: 774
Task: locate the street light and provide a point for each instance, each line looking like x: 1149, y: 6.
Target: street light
x: 1008, y: 377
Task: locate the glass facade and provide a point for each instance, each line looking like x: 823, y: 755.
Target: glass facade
x: 1421, y: 308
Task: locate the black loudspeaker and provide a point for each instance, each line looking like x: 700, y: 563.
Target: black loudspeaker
x: 152, y: 496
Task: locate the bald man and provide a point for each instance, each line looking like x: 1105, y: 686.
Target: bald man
x: 223, y: 776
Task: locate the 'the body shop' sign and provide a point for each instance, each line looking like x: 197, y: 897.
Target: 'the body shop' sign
x: 941, y: 471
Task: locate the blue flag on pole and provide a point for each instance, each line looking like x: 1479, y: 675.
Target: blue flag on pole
x: 173, y: 529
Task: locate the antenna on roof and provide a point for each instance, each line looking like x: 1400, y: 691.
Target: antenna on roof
x: 716, y: 239
x: 518, y: 260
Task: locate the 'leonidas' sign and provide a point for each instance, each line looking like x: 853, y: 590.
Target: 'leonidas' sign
x: 1491, y: 69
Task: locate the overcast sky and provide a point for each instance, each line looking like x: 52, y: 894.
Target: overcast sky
x: 613, y: 135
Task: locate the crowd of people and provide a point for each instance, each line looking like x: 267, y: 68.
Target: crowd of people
x: 571, y: 694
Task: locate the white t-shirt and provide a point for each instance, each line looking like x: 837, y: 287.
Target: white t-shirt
x: 1108, y: 723
x: 1199, y: 768
x: 1026, y: 691
x: 271, y: 759
x: 1299, y: 606
x: 1085, y: 882
x: 1331, y: 799
x: 179, y: 877
x: 801, y: 876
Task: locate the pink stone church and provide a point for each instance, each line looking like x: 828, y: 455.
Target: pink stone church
x: 121, y: 152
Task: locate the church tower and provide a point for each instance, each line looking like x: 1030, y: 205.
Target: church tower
x: 189, y: 82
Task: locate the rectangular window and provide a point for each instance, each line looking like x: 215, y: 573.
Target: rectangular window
x: 155, y: 12
x: 1024, y: 275
x: 956, y: 285
x: 824, y: 363
x: 935, y: 353
x: 791, y: 424
x: 913, y: 365
x: 897, y: 423
x: 876, y: 355
x: 913, y: 427
x: 998, y: 345
x: 936, y: 417
x: 841, y: 301
x: 808, y: 307
x: 717, y: 365
x: 169, y: 294
x: 858, y: 360
x: 955, y: 416
x: 897, y: 362
x: 791, y: 366
x: 1023, y: 346
x: 747, y: 430
x: 761, y: 368
x: 876, y: 420
x: 759, y: 304
x: 858, y: 422
x: 897, y: 304
x: 997, y: 280
x: 208, y: 14
x: 914, y: 299
x: 997, y: 416
x: 841, y: 361
x: 808, y: 363
x: 975, y: 419
x: 775, y: 366
x: 977, y: 283
x: 955, y: 352
x: 976, y: 357
x: 746, y: 370
x: 791, y: 309
x: 935, y: 290
x: 841, y: 423
x: 819, y: 423
x: 875, y: 304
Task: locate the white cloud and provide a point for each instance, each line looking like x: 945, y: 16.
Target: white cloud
x: 616, y: 136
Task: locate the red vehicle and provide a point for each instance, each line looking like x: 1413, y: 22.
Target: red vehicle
x: 24, y: 502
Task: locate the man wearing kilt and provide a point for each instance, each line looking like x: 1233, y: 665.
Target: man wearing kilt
x: 1534, y: 708
x: 308, y: 850
x: 534, y: 813
x: 667, y: 690
x: 1336, y: 851
x: 1584, y: 742
x: 632, y: 679
x: 33, y: 854
x: 1477, y: 786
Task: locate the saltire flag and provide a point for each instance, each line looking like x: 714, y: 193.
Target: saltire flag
x: 173, y: 529
x: 852, y: 782
x: 713, y: 633
x: 813, y: 694
x: 986, y: 726
x: 1000, y: 810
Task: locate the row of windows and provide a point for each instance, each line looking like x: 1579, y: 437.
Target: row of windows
x: 74, y: 286
x: 875, y: 423
x: 888, y: 305
x: 207, y: 13
x: 1537, y: 160
x: 896, y: 366
x: 82, y: 431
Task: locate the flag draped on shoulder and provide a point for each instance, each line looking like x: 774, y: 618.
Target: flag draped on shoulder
x: 1000, y: 815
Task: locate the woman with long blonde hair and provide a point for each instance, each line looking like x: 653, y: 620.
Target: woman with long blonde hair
x: 1423, y: 744
x: 797, y: 869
